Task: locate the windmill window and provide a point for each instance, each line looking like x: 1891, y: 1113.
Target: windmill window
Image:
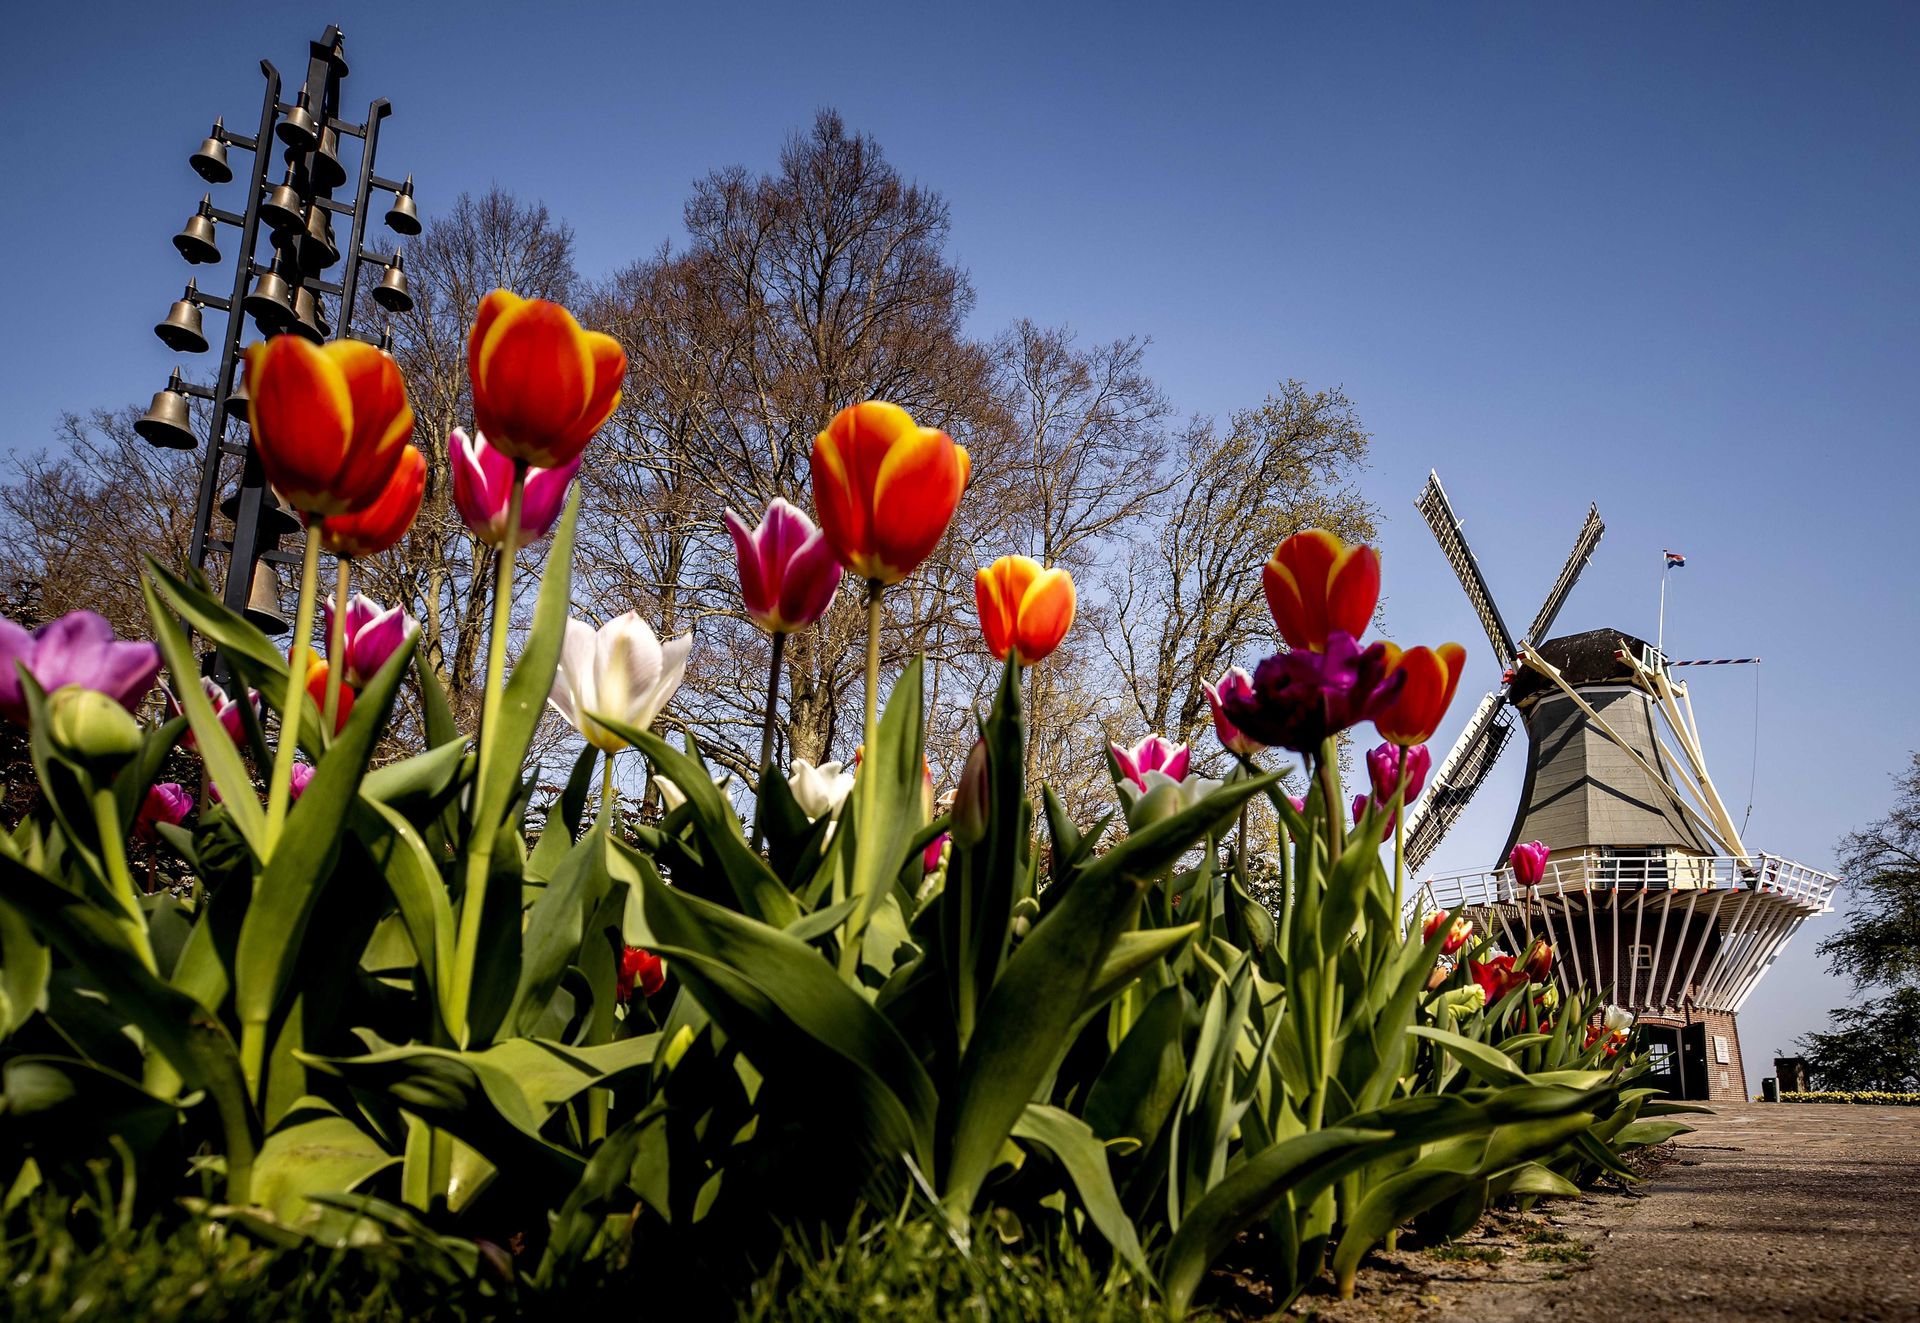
x: 1640, y: 954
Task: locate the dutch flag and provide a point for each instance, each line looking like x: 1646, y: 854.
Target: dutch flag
x: 1675, y: 560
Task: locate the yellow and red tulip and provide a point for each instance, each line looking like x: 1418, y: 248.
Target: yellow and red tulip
x: 330, y: 422
x: 380, y: 526
x: 541, y: 386
x: 1432, y: 676
x: 1024, y: 608
x: 317, y: 691
x: 1316, y: 584
x: 885, y: 489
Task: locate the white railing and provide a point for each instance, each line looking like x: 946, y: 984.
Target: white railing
x: 1593, y: 871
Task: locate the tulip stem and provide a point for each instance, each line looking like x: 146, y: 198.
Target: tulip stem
x: 606, y: 795
x: 280, y: 786
x: 865, y: 785
x: 480, y: 839
x: 1400, y: 841
x: 1329, y: 774
x: 113, y: 853
x: 336, y: 648
x: 766, y: 738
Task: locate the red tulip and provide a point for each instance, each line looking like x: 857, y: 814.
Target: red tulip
x: 380, y: 526
x: 642, y: 967
x: 541, y: 386
x: 1024, y: 609
x: 1432, y: 676
x: 1317, y: 584
x: 330, y: 422
x: 885, y: 489
x: 1538, y: 962
x: 317, y: 690
x: 1496, y: 977
x: 1457, y: 936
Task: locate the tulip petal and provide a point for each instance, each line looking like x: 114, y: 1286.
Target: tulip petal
x: 300, y: 411
x: 381, y: 419
x: 915, y: 492
x: 573, y: 692
x: 1045, y: 614
x: 673, y: 667
x: 811, y: 579
x: 756, y: 591
x: 626, y: 666
x: 1353, y: 589
x: 609, y: 375
x: 535, y: 374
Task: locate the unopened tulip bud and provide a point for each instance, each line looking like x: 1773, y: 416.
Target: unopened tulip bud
x: 1537, y: 965
x: 92, y: 728
x: 971, y: 801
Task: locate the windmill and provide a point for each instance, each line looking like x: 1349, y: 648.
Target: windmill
x: 1651, y: 895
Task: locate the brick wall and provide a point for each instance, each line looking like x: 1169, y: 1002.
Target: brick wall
x: 1728, y: 1082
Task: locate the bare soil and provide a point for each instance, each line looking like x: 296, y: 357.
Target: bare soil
x: 1789, y: 1211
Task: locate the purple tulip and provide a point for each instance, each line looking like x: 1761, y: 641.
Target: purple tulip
x: 483, y: 487
x: 1529, y: 863
x: 1383, y: 766
x: 1234, y: 740
x: 297, y: 784
x: 371, y: 635
x: 167, y: 802
x: 788, y: 573
x: 1302, y: 698
x: 77, y: 649
x: 1153, y: 754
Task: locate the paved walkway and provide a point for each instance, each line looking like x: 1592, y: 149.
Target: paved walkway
x: 1801, y: 1211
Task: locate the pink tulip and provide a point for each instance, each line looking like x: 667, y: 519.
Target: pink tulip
x: 1153, y: 754
x: 1383, y: 766
x: 788, y: 573
x: 166, y: 802
x: 930, y: 857
x: 371, y: 635
x: 483, y: 487
x: 1529, y: 863
x: 1360, y: 803
x: 1233, y: 682
x: 302, y: 773
x: 225, y: 708
x: 77, y: 649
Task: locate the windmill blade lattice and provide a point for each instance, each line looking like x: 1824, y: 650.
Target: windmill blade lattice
x: 1460, y: 777
x: 1438, y: 512
x: 1583, y: 546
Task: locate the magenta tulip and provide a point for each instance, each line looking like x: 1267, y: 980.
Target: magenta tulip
x: 1529, y: 863
x: 1360, y: 803
x: 1153, y: 754
x: 371, y: 635
x: 788, y: 572
x: 1235, y: 682
x: 225, y: 709
x: 302, y: 773
x: 166, y: 802
x: 483, y: 487
x: 77, y: 649
x: 1383, y: 767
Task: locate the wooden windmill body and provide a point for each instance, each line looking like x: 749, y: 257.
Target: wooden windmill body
x: 1651, y: 897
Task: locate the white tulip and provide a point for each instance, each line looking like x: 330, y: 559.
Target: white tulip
x: 1163, y: 796
x: 1618, y: 1019
x: 673, y: 797
x: 819, y: 791
x: 622, y: 672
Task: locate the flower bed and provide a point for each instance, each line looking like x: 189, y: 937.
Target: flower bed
x: 383, y: 1012
x: 1873, y: 1098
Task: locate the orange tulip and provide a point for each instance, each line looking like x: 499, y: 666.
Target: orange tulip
x: 1315, y: 583
x: 541, y: 386
x: 1024, y: 608
x: 373, y: 530
x: 885, y: 489
x: 329, y: 421
x: 317, y: 691
x: 1432, y: 676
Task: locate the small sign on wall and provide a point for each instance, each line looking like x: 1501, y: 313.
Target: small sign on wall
x: 1720, y: 1050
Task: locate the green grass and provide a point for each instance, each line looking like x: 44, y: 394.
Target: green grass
x: 1451, y: 1253
x: 1547, y: 1236
x: 1569, y: 1253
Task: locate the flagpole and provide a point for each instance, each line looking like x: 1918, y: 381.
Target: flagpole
x: 1660, y: 639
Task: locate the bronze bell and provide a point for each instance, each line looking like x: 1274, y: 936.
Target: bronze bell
x: 318, y: 250
x: 328, y: 173
x: 403, y: 217
x: 271, y: 304
x: 263, y: 600
x: 198, y: 240
x: 276, y: 520
x: 298, y: 128
x: 391, y: 292
x: 283, y: 209
x: 166, y: 423
x: 305, y: 322
x: 181, y: 331
x: 210, y: 162
x: 238, y: 396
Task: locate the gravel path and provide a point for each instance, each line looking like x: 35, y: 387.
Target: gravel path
x: 1802, y: 1211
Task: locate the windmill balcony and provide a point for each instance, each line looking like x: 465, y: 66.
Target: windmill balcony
x: 1599, y: 870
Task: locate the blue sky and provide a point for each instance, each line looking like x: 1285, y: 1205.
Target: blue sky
x: 1659, y: 257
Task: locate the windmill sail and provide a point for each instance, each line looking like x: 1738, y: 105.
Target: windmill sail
x: 1433, y: 505
x: 1466, y: 768
x: 1583, y: 546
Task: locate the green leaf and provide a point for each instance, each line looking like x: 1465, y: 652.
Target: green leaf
x: 524, y: 696
x: 215, y: 745
x: 789, y: 1012
x: 291, y: 881
x: 25, y: 963
x: 314, y: 1150
x: 423, y: 777
x: 557, y: 924
x: 436, y: 715
x: 1132, y: 953
x: 888, y: 787
x: 1084, y: 1157
x: 418, y: 891
x: 577, y: 1223
x: 173, y: 1024
x: 1643, y: 1133
x: 1486, y: 1063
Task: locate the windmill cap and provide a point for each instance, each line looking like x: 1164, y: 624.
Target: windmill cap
x: 1581, y: 659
